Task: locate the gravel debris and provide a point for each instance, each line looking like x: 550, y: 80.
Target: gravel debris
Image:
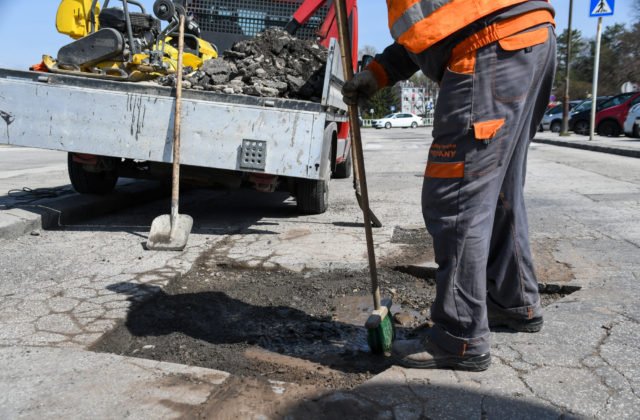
x: 273, y: 64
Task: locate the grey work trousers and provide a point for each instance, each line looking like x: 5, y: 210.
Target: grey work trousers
x: 472, y: 196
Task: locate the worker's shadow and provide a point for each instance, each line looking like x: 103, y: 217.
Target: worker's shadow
x: 399, y: 398
x: 220, y: 320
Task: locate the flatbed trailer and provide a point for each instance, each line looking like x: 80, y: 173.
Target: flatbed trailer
x: 114, y: 129
x: 238, y: 136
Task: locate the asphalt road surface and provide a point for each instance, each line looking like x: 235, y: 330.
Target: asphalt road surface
x: 62, y: 290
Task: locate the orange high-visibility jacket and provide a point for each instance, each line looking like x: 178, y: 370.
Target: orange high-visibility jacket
x: 418, y: 24
x: 427, y: 30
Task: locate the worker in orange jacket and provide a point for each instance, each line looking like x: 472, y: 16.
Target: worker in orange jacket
x: 494, y: 61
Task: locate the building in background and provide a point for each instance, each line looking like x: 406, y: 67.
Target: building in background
x: 416, y: 99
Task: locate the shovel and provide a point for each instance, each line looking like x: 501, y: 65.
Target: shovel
x: 380, y: 332
x: 171, y: 232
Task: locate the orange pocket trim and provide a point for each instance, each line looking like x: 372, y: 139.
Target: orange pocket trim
x: 379, y: 73
x: 486, y: 130
x: 525, y: 39
x: 465, y: 64
x: 444, y: 170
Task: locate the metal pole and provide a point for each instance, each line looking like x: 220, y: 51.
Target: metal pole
x: 594, y: 92
x: 127, y: 16
x: 565, y: 108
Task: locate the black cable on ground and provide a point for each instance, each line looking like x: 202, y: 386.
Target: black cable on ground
x: 26, y: 195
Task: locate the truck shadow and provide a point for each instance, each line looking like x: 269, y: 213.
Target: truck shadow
x: 215, y: 212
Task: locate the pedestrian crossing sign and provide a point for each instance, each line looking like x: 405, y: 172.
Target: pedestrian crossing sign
x: 601, y: 8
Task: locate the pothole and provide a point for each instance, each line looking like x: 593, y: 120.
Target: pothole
x: 306, y: 328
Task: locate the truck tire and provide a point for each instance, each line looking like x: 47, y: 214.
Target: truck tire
x: 86, y: 182
x: 343, y: 170
x: 312, y: 197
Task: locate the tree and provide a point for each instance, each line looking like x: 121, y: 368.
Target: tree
x: 619, y: 61
x: 630, y: 54
x: 611, y: 73
x: 367, y: 50
x: 382, y: 102
x: 578, y: 49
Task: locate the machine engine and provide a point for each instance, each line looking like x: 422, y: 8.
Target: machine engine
x: 112, y: 41
x: 121, y: 35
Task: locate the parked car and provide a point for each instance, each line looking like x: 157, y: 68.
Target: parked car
x: 632, y: 122
x: 580, y: 118
x: 398, y: 120
x: 610, y: 119
x: 552, y: 119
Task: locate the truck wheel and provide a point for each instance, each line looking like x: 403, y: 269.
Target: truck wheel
x: 87, y: 182
x: 343, y: 170
x: 312, y: 197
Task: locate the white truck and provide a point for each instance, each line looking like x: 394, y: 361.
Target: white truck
x: 117, y: 129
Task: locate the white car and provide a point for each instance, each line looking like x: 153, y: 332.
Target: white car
x: 632, y: 123
x: 398, y: 119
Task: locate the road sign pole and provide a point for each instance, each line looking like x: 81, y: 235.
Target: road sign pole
x: 594, y: 92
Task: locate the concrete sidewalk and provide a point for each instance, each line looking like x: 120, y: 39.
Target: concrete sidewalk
x: 35, y: 193
x: 622, y: 146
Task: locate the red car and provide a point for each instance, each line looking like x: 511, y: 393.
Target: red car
x: 610, y: 120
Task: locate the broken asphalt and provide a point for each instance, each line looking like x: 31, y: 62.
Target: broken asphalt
x: 582, y: 364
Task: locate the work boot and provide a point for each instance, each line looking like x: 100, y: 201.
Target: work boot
x: 499, y: 320
x: 424, y: 354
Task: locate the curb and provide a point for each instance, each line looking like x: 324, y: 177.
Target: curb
x: 58, y: 212
x: 580, y: 144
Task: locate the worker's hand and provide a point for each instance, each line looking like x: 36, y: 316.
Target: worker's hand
x: 360, y: 88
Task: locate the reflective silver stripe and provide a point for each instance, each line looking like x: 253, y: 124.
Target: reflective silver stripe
x: 415, y: 14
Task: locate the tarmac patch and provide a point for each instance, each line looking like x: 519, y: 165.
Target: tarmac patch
x: 295, y: 327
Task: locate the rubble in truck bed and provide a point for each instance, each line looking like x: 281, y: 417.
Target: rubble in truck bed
x: 273, y: 64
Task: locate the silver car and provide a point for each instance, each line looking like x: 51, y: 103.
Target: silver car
x: 632, y: 122
x: 552, y: 119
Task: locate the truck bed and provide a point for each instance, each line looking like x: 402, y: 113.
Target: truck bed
x: 135, y: 121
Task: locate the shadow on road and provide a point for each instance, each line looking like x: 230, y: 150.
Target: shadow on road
x: 212, y: 329
x: 215, y: 212
x: 396, y: 400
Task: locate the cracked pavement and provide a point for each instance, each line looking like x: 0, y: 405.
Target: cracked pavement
x: 55, y: 301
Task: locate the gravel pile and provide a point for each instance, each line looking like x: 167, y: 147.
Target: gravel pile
x: 273, y: 64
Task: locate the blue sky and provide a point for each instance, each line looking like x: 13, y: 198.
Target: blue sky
x: 27, y: 28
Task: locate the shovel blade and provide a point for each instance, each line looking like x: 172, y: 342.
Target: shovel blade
x: 163, y: 238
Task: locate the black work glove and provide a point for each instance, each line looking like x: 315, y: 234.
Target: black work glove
x: 359, y: 89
